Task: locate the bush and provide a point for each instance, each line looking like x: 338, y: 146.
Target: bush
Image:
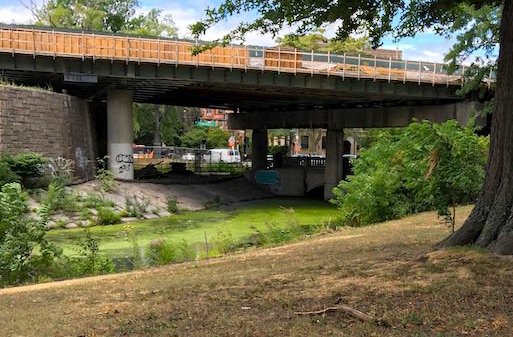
x: 224, y: 243
x: 424, y: 166
x: 172, y: 206
x: 20, y: 236
x: 215, y: 137
x: 89, y: 261
x: 6, y: 174
x: 136, y: 208
x: 107, y: 216
x: 58, y: 198
x: 27, y: 168
x: 105, y: 177
x: 160, y: 252
x: 137, y: 258
x: 95, y: 201
x: 61, y: 170
x: 29, y: 164
x: 278, y: 234
x: 185, y: 251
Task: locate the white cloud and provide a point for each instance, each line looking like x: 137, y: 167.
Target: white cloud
x: 433, y: 55
x: 15, y: 15
x: 400, y: 46
x: 183, y: 17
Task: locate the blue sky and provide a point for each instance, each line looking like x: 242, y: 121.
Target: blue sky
x: 426, y: 46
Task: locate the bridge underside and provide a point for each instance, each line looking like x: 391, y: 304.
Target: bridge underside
x: 337, y: 119
x: 235, y: 89
x: 262, y: 100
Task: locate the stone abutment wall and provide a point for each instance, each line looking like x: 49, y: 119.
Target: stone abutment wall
x: 56, y: 125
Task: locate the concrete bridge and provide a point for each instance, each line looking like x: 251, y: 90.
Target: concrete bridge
x: 266, y: 87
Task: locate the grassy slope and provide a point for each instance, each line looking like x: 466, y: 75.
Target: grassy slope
x: 192, y: 226
x: 388, y: 270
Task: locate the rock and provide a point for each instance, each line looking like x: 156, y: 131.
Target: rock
x: 32, y: 204
x: 51, y: 224
x: 71, y: 225
x: 150, y: 216
x: 124, y: 220
x: 82, y: 224
x: 164, y: 213
x: 61, y: 218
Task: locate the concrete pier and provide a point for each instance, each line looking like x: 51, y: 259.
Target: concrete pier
x: 259, y: 149
x: 120, y: 134
x: 334, y: 161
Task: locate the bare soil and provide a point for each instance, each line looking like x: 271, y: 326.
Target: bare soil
x: 389, y: 271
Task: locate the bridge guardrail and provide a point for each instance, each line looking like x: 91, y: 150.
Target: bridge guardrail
x: 167, y: 51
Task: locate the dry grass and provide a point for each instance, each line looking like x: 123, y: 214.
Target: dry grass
x: 388, y: 270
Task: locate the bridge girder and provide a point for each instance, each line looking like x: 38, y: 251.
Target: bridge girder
x: 237, y: 89
x: 376, y: 117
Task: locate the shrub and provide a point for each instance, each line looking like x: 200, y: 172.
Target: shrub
x: 276, y: 234
x: 422, y: 167
x: 95, y: 201
x: 58, y: 198
x: 136, y: 208
x: 6, y: 174
x: 107, y: 216
x: 29, y: 164
x: 137, y: 258
x: 105, y: 176
x: 160, y: 252
x: 20, y: 236
x: 185, y: 251
x: 27, y: 168
x: 62, y: 170
x: 89, y: 261
x: 224, y: 243
x: 172, y: 206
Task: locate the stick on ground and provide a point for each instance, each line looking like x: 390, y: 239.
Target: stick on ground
x: 348, y: 310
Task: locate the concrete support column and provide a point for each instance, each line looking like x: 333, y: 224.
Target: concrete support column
x: 334, y: 161
x: 120, y: 134
x: 259, y: 149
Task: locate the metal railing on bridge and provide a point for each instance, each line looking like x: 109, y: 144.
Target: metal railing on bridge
x: 99, y: 46
x: 159, y: 161
x: 292, y: 162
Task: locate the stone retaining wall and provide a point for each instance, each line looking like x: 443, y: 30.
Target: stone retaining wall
x: 56, y: 125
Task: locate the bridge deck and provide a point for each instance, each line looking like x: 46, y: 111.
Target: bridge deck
x: 40, y: 42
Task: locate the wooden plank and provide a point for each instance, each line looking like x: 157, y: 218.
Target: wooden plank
x: 44, y: 42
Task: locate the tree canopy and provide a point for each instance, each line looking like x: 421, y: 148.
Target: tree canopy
x: 171, y: 125
x: 103, y: 15
x: 316, y: 41
x: 213, y: 137
x: 376, y: 18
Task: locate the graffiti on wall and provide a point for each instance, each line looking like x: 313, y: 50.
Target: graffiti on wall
x: 125, y: 162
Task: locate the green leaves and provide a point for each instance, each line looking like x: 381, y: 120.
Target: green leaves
x: 424, y: 166
x: 214, y: 137
x: 19, y: 236
x: 152, y: 24
x: 104, y: 15
x: 316, y: 41
x: 171, y: 125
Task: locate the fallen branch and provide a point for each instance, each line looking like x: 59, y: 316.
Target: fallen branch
x: 348, y: 310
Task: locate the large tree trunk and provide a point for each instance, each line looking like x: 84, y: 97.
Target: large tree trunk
x: 490, y: 225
